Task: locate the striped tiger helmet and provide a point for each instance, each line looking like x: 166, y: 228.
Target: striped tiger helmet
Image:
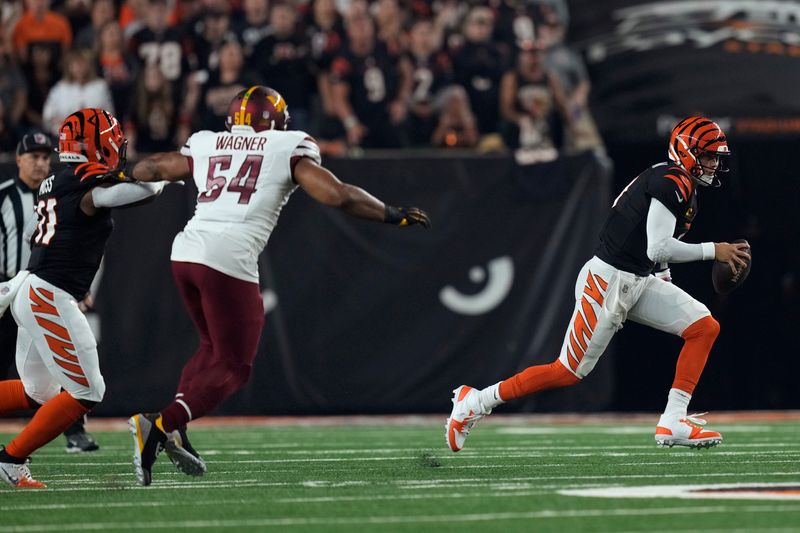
x: 259, y: 107
x: 693, y: 137
x: 91, y: 135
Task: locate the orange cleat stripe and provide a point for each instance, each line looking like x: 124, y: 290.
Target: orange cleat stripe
x: 463, y: 393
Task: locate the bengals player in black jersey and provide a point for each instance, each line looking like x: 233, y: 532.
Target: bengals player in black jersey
x: 56, y: 351
x: 641, y: 235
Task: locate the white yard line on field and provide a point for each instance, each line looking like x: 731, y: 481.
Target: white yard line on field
x: 272, y: 522
x: 617, y: 430
x: 92, y: 485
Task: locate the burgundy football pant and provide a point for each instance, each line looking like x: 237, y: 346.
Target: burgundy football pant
x: 229, y: 316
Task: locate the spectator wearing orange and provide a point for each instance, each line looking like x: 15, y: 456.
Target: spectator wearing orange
x: 40, y: 24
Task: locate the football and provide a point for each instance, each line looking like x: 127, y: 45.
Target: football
x: 724, y: 279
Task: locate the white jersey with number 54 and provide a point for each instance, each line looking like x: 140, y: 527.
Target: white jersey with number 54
x: 244, y: 178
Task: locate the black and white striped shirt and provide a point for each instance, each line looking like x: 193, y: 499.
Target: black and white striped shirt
x: 16, y: 212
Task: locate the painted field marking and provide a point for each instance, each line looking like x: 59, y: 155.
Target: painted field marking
x: 271, y: 522
x: 124, y: 484
x: 623, y: 430
x: 724, y: 491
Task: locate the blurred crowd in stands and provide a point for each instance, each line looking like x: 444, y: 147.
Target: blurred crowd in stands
x: 355, y: 73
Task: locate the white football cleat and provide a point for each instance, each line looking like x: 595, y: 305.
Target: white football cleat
x: 686, y: 431
x: 19, y: 476
x: 467, y: 410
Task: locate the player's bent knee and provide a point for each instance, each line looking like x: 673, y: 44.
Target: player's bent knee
x: 706, y: 327
x: 38, y: 396
x: 713, y: 327
x: 564, y: 376
x: 242, y: 374
x: 93, y: 394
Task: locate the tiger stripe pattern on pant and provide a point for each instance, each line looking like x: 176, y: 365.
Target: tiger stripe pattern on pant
x: 585, y: 321
x: 58, y: 340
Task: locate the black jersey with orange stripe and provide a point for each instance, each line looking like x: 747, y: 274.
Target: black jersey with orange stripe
x: 68, y: 244
x: 623, y: 239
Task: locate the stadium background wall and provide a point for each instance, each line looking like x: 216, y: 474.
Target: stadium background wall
x: 364, y: 318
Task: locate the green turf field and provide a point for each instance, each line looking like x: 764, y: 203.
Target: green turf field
x: 401, y: 477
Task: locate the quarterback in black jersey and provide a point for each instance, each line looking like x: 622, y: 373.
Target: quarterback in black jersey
x: 642, y: 233
x: 56, y: 351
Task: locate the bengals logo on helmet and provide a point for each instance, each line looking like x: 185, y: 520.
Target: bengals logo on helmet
x: 259, y: 107
x: 91, y: 135
x: 696, y: 136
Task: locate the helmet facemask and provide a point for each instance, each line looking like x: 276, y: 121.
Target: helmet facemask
x: 708, y: 175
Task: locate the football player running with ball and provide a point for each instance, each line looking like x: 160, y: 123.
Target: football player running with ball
x: 56, y: 350
x: 641, y: 235
x: 245, y: 176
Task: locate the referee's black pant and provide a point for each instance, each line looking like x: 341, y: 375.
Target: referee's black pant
x: 8, y: 345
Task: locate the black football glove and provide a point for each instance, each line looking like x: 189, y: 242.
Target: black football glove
x: 407, y: 216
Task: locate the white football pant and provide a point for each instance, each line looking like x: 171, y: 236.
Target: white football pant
x: 606, y: 296
x: 55, y: 345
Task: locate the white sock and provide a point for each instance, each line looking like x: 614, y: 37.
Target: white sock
x: 490, y: 397
x: 677, y: 404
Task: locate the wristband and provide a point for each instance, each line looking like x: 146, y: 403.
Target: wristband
x: 393, y: 215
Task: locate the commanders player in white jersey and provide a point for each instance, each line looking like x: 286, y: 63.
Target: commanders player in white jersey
x: 245, y: 176
x: 641, y: 234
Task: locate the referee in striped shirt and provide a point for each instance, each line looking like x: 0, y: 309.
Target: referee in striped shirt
x: 17, y: 213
